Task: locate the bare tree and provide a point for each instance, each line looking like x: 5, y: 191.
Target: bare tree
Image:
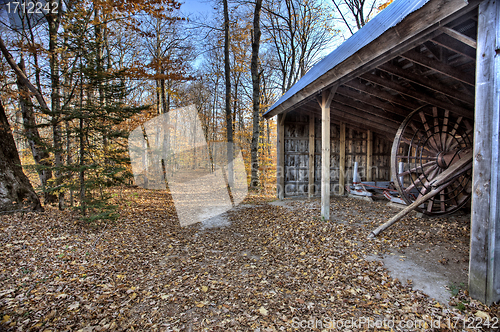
x: 227, y: 75
x: 170, y: 50
x: 299, y: 31
x: 357, y: 10
x: 254, y: 69
x: 40, y: 153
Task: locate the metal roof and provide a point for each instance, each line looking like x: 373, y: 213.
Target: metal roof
x: 386, y: 19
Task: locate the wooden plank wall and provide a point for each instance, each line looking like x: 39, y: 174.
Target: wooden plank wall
x: 381, y: 170
x: 296, y: 155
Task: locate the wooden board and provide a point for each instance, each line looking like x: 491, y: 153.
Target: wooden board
x: 484, y: 268
x: 297, y: 157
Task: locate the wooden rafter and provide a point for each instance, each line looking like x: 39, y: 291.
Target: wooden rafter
x: 369, y: 99
x: 455, y: 46
x: 428, y: 83
x: 365, y: 109
x: 460, y: 37
x: 424, y: 97
x: 336, y: 118
x: 363, y: 118
x: 439, y: 67
x: 408, y: 103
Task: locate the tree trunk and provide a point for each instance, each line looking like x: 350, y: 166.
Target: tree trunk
x: 83, y: 204
x: 254, y: 69
x: 229, y: 118
x: 40, y: 154
x: 53, y: 21
x: 22, y: 77
x: 15, y: 188
x: 164, y: 106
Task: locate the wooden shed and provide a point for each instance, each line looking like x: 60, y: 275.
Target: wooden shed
x: 349, y: 106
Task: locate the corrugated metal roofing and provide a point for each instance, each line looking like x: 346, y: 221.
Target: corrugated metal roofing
x: 385, y: 20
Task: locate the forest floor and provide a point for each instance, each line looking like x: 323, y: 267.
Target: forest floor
x: 271, y: 268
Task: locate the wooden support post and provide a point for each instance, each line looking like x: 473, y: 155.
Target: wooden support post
x: 312, y: 140
x: 369, y: 155
x: 280, y: 162
x: 325, y: 102
x: 342, y: 159
x: 484, y: 263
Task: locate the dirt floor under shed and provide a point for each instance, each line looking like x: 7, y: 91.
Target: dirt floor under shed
x: 430, y: 264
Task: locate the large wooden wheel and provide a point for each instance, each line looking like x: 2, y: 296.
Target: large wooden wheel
x: 428, y: 142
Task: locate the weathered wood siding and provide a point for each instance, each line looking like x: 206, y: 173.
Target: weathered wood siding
x: 296, y: 155
x: 381, y: 169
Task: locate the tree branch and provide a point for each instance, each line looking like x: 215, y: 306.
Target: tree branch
x: 23, y: 77
x: 343, y: 18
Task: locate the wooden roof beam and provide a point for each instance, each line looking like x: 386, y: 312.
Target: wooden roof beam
x: 460, y: 37
x: 337, y: 116
x: 471, y: 15
x: 435, y: 49
x: 455, y: 46
x: 428, y: 83
x: 468, y: 113
x: 408, y: 103
x: 363, y: 117
x: 368, y: 99
x: 368, y: 109
x: 439, y: 67
x: 348, y: 118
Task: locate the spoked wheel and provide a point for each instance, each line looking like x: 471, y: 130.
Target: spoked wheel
x: 429, y: 141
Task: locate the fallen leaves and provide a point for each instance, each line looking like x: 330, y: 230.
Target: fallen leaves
x: 483, y: 315
x: 74, y: 306
x: 270, y: 265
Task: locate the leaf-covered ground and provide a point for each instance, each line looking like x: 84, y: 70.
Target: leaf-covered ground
x: 273, y: 269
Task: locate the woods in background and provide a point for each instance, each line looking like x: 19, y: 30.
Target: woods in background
x: 76, y: 80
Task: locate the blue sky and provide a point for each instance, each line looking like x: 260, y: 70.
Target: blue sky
x: 197, y: 7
